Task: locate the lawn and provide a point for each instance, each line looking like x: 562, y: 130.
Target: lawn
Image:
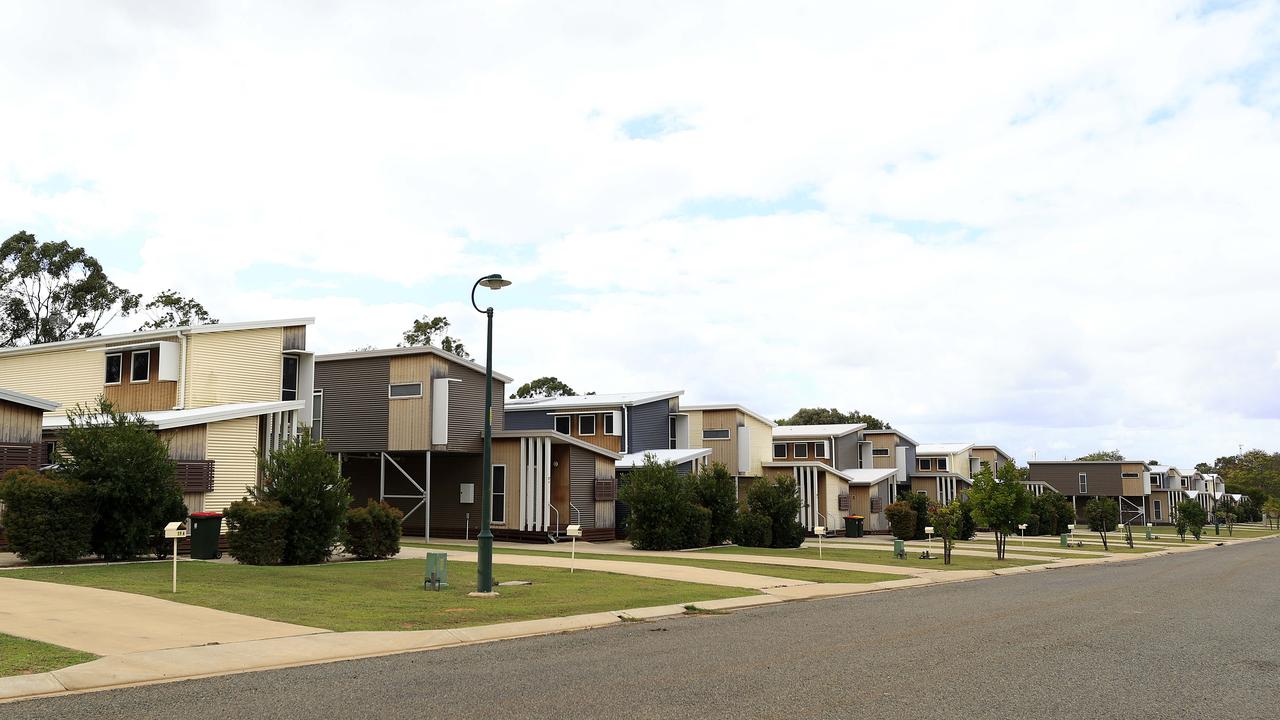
x: 880, y: 557
x: 807, y: 574
x: 19, y: 656
x: 1033, y: 549
x: 383, y: 595
x: 1115, y: 544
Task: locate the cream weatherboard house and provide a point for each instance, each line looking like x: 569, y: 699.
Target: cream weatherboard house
x: 738, y: 438
x: 943, y: 471
x: 219, y: 395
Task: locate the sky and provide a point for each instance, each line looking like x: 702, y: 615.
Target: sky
x: 1046, y: 226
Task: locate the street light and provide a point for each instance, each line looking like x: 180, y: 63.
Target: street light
x: 484, y: 560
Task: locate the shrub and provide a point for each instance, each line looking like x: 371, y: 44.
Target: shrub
x: 919, y: 502
x: 1055, y: 512
x: 1103, y: 515
x: 129, y: 478
x: 47, y: 519
x: 663, y: 508
x: 778, y: 500
x: 256, y: 531
x: 308, y: 482
x: 716, y: 492
x: 753, y: 530
x: 373, y: 531
x: 1193, y: 515
x: 968, y: 527
x: 902, y: 520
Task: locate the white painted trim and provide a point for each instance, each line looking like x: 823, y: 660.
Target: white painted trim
x: 104, y: 368
x: 582, y: 432
x: 797, y: 455
x: 494, y: 485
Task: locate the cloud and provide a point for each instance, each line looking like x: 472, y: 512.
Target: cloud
x: 1044, y: 229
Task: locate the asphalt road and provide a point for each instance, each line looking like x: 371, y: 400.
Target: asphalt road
x: 1172, y: 637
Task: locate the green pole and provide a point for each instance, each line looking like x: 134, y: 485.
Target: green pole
x: 484, y: 581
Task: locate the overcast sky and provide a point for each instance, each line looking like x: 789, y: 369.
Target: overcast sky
x: 1052, y: 227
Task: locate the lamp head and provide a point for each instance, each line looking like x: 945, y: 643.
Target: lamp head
x: 494, y: 282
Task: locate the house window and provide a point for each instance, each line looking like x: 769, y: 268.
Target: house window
x: 289, y: 379
x: 563, y: 424
x: 942, y: 464
x: 800, y: 450
x: 608, y: 423
x: 113, y: 368
x: 317, y: 414
x: 715, y: 434
x: 499, y: 493
x: 671, y: 426
x: 1155, y: 510
x: 820, y: 449
x: 924, y: 464
x: 404, y: 390
x: 1128, y: 475
x: 1084, y: 483
x: 880, y: 452
x: 779, y: 451
x: 140, y: 366
x: 586, y: 425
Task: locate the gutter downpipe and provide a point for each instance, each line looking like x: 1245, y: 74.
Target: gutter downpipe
x: 182, y: 373
x: 626, y: 430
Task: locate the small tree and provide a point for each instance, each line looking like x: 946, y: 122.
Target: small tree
x: 968, y: 528
x: 663, y: 503
x: 129, y: 476
x: 947, y: 520
x: 1271, y: 508
x: 920, y: 503
x: 1180, y: 525
x: 1103, y: 514
x: 1001, y: 505
x: 902, y: 520
x: 778, y: 500
x: 715, y: 491
x: 308, y: 482
x: 1055, y: 512
x: 1194, y: 515
x: 1225, y: 513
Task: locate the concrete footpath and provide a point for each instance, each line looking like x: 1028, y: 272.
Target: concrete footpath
x: 289, y: 646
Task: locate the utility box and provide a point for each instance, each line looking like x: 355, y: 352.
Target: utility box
x: 437, y: 574
x: 899, y: 549
x: 1064, y: 540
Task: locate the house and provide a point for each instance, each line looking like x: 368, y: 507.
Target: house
x: 738, y: 438
x: 1208, y: 489
x: 220, y: 395
x: 407, y: 426
x: 835, y: 474
x: 943, y: 471
x: 981, y: 456
x: 893, y: 449
x: 21, y: 430
x: 1127, y: 481
x: 1166, y: 493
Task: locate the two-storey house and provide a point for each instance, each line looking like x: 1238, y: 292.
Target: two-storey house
x: 738, y: 438
x: 984, y: 456
x: 221, y: 395
x: 893, y: 449
x: 835, y: 473
x: 1127, y: 481
x: 943, y: 471
x: 407, y: 425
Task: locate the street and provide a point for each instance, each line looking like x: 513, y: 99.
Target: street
x: 1178, y: 636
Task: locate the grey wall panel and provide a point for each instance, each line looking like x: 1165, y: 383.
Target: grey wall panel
x: 1104, y: 479
x: 582, y: 484
x: 846, y: 451
x: 466, y: 410
x: 355, y: 403
x: 648, y: 426
x: 531, y: 420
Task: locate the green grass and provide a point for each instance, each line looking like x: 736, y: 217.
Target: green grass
x: 806, y: 574
x: 19, y: 656
x: 383, y: 595
x: 1032, y: 549
x: 1115, y: 544
x: 881, y: 557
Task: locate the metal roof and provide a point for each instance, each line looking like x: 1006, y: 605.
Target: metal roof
x: 817, y: 431
x: 149, y: 334
x: 677, y: 456
x: 415, y: 350
x: 942, y: 448
x: 589, y: 401
x: 167, y: 419
x: 19, y: 398
x: 730, y: 406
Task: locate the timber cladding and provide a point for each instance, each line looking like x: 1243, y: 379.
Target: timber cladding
x: 506, y: 452
x: 188, y: 443
x: 724, y: 451
x: 409, y: 419
x: 151, y: 394
x: 19, y: 423
x: 355, y: 403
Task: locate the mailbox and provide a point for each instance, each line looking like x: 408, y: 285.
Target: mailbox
x: 175, y: 530
x: 819, y: 530
x: 1071, y: 528
x: 1022, y: 526
x: 929, y: 530
x: 574, y: 531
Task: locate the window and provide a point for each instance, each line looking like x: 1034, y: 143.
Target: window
x: 1155, y: 509
x: 1084, y: 483
x: 586, y: 424
x: 800, y: 450
x: 404, y: 390
x: 563, y: 424
x: 317, y: 414
x: 140, y: 366
x: 942, y: 464
x: 671, y: 424
x: 289, y: 379
x: 1128, y: 475
x: 880, y: 452
x: 715, y: 434
x: 608, y: 423
x: 924, y: 464
x: 113, y: 369
x: 779, y: 451
x: 820, y: 449
x: 499, y: 493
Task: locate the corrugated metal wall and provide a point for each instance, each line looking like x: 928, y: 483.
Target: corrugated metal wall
x: 233, y: 367
x: 847, y: 452
x: 232, y: 445
x: 355, y: 403
x: 466, y: 409
x: 582, y: 485
x: 531, y: 420
x: 67, y: 376
x: 649, y: 428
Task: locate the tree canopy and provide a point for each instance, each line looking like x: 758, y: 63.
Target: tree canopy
x: 833, y: 416
x: 1111, y: 455
x: 169, y: 309
x: 1254, y: 473
x: 544, y: 387
x: 427, y: 330
x: 1000, y: 504
x: 53, y: 291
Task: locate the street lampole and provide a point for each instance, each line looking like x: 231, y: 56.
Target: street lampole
x: 484, y: 569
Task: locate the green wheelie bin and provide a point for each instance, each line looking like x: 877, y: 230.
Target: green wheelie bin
x: 206, y: 529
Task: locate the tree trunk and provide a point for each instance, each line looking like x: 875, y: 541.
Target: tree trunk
x: 1104, y: 541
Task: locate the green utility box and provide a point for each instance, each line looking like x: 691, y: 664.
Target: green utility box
x: 899, y: 549
x: 1064, y: 540
x: 206, y: 530
x: 1148, y: 532
x: 437, y: 575
x: 853, y: 525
